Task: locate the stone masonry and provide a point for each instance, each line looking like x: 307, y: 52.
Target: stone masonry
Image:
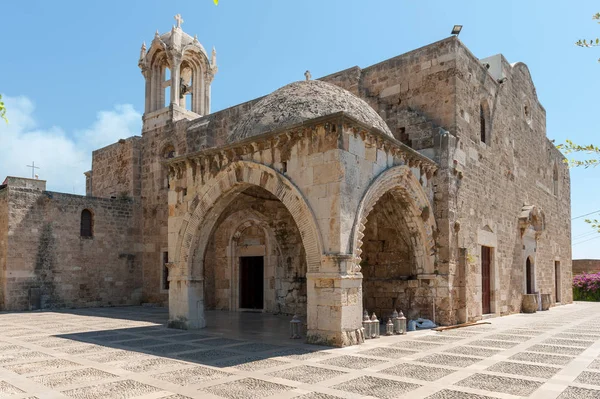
x: 425, y: 183
x: 581, y: 266
x: 48, y: 264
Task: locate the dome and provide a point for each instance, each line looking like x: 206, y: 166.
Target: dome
x: 302, y: 101
x: 183, y: 40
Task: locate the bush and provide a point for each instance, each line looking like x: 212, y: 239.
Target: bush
x: 586, y: 287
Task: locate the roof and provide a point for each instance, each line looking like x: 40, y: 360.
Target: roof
x: 302, y: 101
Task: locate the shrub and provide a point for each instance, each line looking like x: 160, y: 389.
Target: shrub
x: 586, y: 287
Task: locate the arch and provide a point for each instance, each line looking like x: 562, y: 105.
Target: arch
x: 280, y: 282
x: 168, y: 151
x: 221, y: 190
x: 223, y: 269
x: 521, y: 67
x: 403, y: 183
x: 240, y: 221
x: 87, y: 224
x: 178, y: 53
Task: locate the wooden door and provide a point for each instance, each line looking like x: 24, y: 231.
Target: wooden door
x: 486, y: 287
x: 251, y: 282
x: 557, y: 281
x: 529, y: 276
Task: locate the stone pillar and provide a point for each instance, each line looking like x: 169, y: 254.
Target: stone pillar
x: 186, y: 301
x: 206, y: 107
x: 148, y: 88
x: 175, y: 83
x: 197, y: 100
x: 334, y: 303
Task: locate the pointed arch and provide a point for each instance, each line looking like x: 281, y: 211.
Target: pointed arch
x: 221, y: 190
x: 402, y: 183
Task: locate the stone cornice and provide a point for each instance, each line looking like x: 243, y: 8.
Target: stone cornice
x: 227, y: 153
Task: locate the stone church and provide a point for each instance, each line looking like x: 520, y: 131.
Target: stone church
x: 424, y: 183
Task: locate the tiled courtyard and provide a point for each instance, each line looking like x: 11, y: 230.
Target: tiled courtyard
x: 128, y: 353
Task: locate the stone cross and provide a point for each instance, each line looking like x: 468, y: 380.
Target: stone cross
x: 179, y: 20
x: 307, y: 75
x: 33, y: 168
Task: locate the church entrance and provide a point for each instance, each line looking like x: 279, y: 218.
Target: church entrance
x: 254, y: 258
x: 251, y: 282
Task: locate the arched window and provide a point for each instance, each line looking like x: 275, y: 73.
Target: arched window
x: 86, y: 223
x: 527, y: 112
x: 168, y: 151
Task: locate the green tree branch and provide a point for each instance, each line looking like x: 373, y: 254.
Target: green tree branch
x: 592, y: 151
x: 569, y: 147
x: 3, y: 110
x: 591, y: 42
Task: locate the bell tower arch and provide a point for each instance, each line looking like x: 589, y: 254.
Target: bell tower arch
x: 178, y: 74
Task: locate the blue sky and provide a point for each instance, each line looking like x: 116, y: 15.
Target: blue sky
x: 69, y: 70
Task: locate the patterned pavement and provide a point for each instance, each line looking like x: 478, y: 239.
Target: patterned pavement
x: 128, y: 353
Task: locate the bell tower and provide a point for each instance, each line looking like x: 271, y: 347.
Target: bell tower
x: 178, y: 74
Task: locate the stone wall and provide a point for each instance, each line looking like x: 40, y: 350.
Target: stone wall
x: 116, y: 170
x: 3, y: 241
x: 413, y: 92
x: 581, y: 266
x: 158, y: 145
x: 49, y: 263
x: 490, y: 181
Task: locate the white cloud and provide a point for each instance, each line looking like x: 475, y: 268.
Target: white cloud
x: 62, y: 158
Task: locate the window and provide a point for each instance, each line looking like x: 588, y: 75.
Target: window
x: 165, y: 271
x: 168, y: 151
x: 527, y: 112
x: 166, y: 85
x: 87, y: 223
x: 482, y: 123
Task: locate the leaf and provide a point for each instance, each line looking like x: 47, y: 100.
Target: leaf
x: 3, y: 110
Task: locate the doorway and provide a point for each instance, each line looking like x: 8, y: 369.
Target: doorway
x: 486, y: 288
x: 557, y: 281
x: 251, y: 282
x: 529, y: 275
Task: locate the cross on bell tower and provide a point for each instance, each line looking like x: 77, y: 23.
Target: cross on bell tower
x: 179, y: 20
x: 176, y: 63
